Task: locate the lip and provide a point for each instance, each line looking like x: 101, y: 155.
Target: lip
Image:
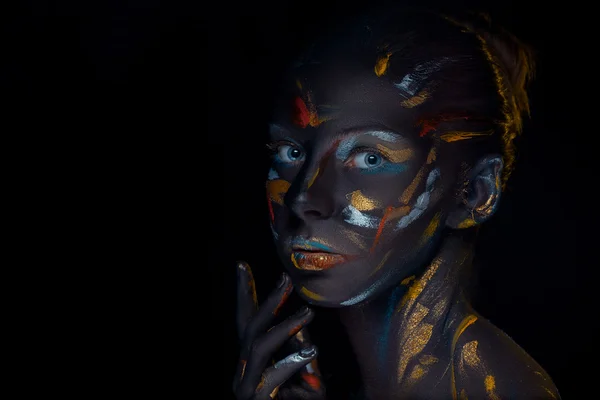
x: 316, y: 260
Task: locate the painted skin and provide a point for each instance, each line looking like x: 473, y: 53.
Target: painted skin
x: 366, y: 218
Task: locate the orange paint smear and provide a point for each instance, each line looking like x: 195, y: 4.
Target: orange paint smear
x: 284, y: 297
x: 431, y: 124
x: 313, y: 381
x: 277, y: 189
x: 270, y: 203
x: 381, y: 225
x: 295, y: 330
x: 305, y: 112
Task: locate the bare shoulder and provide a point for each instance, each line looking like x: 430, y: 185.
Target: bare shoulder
x: 487, y: 363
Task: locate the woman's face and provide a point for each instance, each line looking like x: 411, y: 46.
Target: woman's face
x: 362, y: 180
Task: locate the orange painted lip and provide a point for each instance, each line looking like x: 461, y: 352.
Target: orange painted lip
x: 316, y: 260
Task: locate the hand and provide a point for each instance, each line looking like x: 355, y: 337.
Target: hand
x: 254, y: 380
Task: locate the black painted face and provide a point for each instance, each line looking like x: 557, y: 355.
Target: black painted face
x: 364, y: 175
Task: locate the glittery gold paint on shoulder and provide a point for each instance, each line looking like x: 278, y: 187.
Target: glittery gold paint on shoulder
x: 417, y: 99
x: 361, y: 202
x: 490, y: 387
x: 454, y: 136
x: 406, y: 281
x: 464, y: 324
x: 469, y: 354
x: 417, y: 287
x: 550, y: 393
x: 427, y: 359
x: 415, y: 338
x: 467, y: 223
x: 382, y: 64
x: 310, y: 295
x: 463, y: 395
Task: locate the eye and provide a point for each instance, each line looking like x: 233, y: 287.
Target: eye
x: 367, y: 160
x: 289, y: 154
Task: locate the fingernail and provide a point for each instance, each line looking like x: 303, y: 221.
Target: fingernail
x: 282, y: 280
x: 241, y: 265
x: 308, y: 352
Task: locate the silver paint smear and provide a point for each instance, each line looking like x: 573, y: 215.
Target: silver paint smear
x: 273, y: 175
x: 355, y: 217
x: 413, y: 81
x: 422, y: 201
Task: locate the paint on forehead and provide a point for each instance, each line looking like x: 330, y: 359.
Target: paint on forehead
x: 431, y: 123
x: 395, y: 156
x: 277, y: 190
x: 357, y: 218
x: 361, y: 202
x: 414, y: 81
x: 454, y: 136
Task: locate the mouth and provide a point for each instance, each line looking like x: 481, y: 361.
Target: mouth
x: 309, y: 255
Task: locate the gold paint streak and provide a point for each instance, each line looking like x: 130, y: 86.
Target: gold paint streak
x: 540, y: 374
x: 427, y: 359
x: 430, y: 230
x: 417, y: 373
x: 417, y: 99
x: 410, y: 190
x: 310, y: 295
x: 463, y: 395
x: 300, y: 336
x: 414, y: 344
x: 362, y: 202
x: 439, y: 308
x: 455, y: 136
x: 355, y: 238
x: 382, y: 64
x: 383, y: 260
x: 243, y: 369
x: 432, y: 155
x: 469, y: 354
x: 416, y: 317
x: 550, y: 392
x: 417, y: 287
x: 396, y: 156
x: 490, y: 387
x: 277, y: 188
x: 274, y: 392
x: 406, y: 281
x: 312, y: 180
x: 464, y: 324
x: 467, y: 223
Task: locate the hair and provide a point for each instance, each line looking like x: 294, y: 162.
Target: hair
x: 466, y: 50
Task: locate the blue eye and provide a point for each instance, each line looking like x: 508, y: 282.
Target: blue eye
x: 367, y: 160
x: 289, y: 154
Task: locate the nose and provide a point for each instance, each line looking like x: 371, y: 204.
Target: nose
x: 313, y: 200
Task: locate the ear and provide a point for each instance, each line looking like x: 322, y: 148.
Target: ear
x: 480, y: 196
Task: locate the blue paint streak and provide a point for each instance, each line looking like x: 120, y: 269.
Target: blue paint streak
x: 311, y: 244
x: 386, y: 168
x: 383, y: 344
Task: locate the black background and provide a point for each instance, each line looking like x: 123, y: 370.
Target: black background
x: 175, y: 97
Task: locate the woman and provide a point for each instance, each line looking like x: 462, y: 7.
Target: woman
x: 392, y: 141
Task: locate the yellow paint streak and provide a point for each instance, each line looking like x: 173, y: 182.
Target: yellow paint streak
x: 274, y: 392
x: 355, y: 238
x: 467, y: 223
x: 293, y: 258
x: 414, y: 344
x: 417, y: 287
x: 395, y: 155
x: 439, y: 308
x: 382, y: 64
x: 410, y: 190
x: 427, y: 359
x: 455, y: 136
x: 550, y: 393
x: 417, y: 373
x: 463, y: 395
x: 362, y: 202
x: 312, y: 180
x: 430, y: 230
x: 417, y: 99
x: 406, y: 281
x: 464, y: 324
x: 276, y: 189
x: 490, y: 387
x: 310, y: 295
x: 383, y: 260
x: 432, y: 155
x: 469, y: 354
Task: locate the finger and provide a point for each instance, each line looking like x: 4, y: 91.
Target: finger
x: 310, y: 373
x: 262, y: 349
x: 269, y: 309
x: 247, y: 304
x: 276, y: 375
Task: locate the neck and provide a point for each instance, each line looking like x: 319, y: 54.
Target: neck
x: 388, y: 331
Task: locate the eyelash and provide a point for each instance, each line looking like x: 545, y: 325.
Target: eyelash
x: 363, y: 149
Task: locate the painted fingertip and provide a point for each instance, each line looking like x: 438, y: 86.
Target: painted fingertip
x: 242, y: 265
x: 308, y: 352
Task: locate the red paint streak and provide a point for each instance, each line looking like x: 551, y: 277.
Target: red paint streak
x: 381, y: 225
x: 270, y: 203
x: 431, y: 124
x: 312, y: 380
x: 284, y: 297
x: 301, y: 115
x: 295, y: 330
